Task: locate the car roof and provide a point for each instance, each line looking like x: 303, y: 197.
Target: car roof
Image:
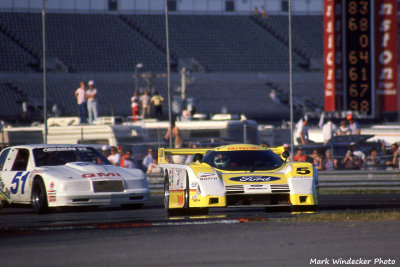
x: 32, y: 146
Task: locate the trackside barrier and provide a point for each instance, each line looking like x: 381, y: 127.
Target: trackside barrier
x: 335, y: 180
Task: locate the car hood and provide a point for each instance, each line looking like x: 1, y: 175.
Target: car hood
x: 90, y: 170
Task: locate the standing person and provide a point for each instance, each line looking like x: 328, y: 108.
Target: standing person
x: 91, y: 96
x: 80, y: 95
x: 154, y: 167
x: 329, y: 163
x: 145, y: 102
x: 176, y: 135
x: 303, y: 133
x: 299, y: 156
x: 328, y: 130
x: 114, y: 158
x: 392, y: 156
x: 148, y: 159
x: 316, y: 159
x: 157, y: 101
x: 373, y: 161
x: 135, y: 106
x: 343, y: 129
x: 105, y: 151
x: 128, y: 161
x: 353, y: 125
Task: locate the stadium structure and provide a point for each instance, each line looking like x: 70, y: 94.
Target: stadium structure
x: 234, y: 54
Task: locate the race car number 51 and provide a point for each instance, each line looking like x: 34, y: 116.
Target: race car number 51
x: 15, y: 182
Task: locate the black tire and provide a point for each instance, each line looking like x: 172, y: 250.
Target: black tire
x: 166, y: 191
x: 39, y: 197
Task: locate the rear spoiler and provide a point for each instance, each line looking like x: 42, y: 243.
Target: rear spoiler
x: 163, y: 152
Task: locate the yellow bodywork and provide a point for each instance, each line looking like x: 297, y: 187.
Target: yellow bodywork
x: 296, y: 171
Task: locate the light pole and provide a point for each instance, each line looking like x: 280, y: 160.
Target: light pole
x: 138, y: 66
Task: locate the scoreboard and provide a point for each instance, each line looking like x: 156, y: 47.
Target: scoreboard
x: 361, y: 56
x: 358, y: 50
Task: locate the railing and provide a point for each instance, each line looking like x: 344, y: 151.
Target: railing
x: 335, y: 180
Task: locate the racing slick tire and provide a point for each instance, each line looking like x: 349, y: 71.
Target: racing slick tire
x: 39, y: 197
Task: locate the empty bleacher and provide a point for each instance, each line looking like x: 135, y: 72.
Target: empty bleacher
x: 232, y: 50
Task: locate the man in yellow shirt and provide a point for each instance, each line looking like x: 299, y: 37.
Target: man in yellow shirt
x: 157, y: 101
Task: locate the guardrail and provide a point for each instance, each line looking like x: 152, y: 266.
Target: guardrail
x: 335, y: 180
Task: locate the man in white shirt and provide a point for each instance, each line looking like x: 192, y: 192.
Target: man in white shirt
x: 91, y: 95
x: 115, y: 157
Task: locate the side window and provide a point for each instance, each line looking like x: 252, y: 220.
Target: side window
x: 21, y: 160
x: 3, y: 157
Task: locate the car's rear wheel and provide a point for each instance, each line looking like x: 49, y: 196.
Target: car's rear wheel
x: 39, y: 197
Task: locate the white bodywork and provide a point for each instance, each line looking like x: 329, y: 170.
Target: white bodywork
x: 72, y: 184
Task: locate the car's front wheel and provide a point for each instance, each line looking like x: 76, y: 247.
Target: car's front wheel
x: 39, y: 197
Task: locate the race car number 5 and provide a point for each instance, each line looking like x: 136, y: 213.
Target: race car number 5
x: 303, y: 170
x: 15, y: 182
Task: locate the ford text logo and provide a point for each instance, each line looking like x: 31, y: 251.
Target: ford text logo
x: 252, y: 179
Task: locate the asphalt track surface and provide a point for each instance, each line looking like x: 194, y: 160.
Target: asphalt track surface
x: 227, y: 237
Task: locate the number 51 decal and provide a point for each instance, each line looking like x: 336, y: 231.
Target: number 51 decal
x: 303, y: 170
x: 15, y: 182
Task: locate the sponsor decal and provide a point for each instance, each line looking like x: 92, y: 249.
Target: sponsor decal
x: 101, y: 174
x: 252, y: 179
x: 51, y: 185
x: 207, y: 176
x: 51, y: 149
x: 242, y: 148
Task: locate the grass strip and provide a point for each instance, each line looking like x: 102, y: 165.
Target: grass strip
x: 347, y: 216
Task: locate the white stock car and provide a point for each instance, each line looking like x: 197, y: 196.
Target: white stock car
x: 48, y: 176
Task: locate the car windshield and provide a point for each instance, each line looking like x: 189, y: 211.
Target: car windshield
x: 251, y: 160
x: 55, y: 156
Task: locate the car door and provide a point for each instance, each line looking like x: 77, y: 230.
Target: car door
x: 14, y: 175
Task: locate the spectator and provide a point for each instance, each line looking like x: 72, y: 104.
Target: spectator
x: 157, y: 101
x: 329, y: 163
x: 351, y: 161
x: 343, y: 129
x: 148, y: 159
x: 392, y: 161
x: 128, y: 161
x: 358, y: 153
x: 176, y: 135
x: 299, y: 156
x: 303, y: 133
x: 353, y: 125
x: 145, y: 103
x: 154, y: 167
x: 373, y: 161
x: 91, y: 96
x: 135, y: 106
x: 328, y: 130
x: 105, y: 151
x: 190, y: 158
x: 80, y: 95
x: 114, y: 157
x: 316, y: 159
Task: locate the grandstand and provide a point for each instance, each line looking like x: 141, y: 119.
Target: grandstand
x: 234, y: 61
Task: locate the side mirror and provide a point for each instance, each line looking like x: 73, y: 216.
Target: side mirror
x: 285, y: 154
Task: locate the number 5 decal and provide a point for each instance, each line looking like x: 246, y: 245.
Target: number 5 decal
x: 15, y: 181
x: 303, y: 170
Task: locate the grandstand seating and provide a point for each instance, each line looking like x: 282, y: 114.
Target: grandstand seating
x: 232, y: 49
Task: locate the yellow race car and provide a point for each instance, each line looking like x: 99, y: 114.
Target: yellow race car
x: 235, y: 176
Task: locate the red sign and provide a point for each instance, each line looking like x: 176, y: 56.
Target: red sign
x: 386, y: 54
x: 333, y: 65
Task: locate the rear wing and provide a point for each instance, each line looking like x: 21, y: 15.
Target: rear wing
x: 163, y: 152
